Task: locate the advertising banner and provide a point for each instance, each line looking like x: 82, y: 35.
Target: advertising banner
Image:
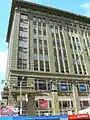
x: 78, y: 116
x: 9, y: 111
x: 43, y: 104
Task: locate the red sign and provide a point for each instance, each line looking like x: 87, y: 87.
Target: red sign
x: 43, y: 104
x: 79, y: 116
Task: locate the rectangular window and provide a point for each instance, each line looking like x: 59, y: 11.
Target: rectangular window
x: 46, y: 51
x: 83, y: 87
x: 44, y: 32
x: 46, y: 58
x: 35, y: 50
x: 23, y: 44
x: 34, y: 31
x: 41, y: 51
x: 23, y: 29
x: 61, y: 65
x: 35, y: 65
x: 66, y: 65
x: 42, y: 84
x: 47, y: 65
x: 66, y: 104
x: 41, y: 66
x: 64, y: 52
x: 22, y: 49
x: 22, y: 63
x: 55, y: 53
x: 64, y: 86
x: 23, y: 18
x: 84, y: 104
x: 23, y: 38
x: 24, y: 81
x: 53, y: 42
x: 35, y: 57
x: 56, y: 66
x: 23, y: 34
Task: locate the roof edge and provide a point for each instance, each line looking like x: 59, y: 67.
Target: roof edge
x: 10, y: 20
x: 73, y: 15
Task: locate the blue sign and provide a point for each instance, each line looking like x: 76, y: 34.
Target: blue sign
x: 82, y: 88
x: 57, y: 117
x: 64, y: 87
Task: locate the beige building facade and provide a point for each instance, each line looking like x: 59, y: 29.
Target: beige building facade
x: 48, y: 50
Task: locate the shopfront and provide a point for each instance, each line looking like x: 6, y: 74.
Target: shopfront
x: 79, y: 117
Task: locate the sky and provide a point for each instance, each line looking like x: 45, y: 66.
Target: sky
x: 81, y: 7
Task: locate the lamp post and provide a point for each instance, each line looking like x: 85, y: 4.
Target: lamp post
x: 21, y: 96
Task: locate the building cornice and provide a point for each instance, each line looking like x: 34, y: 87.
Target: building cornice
x: 45, y: 9
x: 49, y: 75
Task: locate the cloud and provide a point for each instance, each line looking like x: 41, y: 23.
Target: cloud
x: 86, y: 7
x: 3, y: 61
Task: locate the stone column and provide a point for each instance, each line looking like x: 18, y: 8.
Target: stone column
x: 55, y: 101
x: 76, y: 102
x: 31, y: 105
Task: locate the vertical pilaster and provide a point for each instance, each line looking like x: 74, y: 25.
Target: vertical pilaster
x: 31, y: 105
x: 55, y: 103
x: 75, y: 98
x: 50, y: 47
x: 31, y: 47
x: 15, y: 33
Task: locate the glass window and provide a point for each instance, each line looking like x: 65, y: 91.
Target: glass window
x: 35, y: 65
x: 84, y: 104
x: 24, y: 81
x: 22, y: 63
x: 23, y: 44
x: 64, y: 52
x: 44, y: 32
x: 55, y: 53
x: 37, y: 104
x: 41, y: 66
x: 53, y: 42
x: 35, y: 57
x: 47, y: 65
x: 64, y: 86
x: 46, y: 58
x: 35, y: 50
x: 34, y: 31
x: 23, y: 34
x: 42, y: 85
x: 66, y: 104
x: 24, y: 17
x: 83, y: 87
x: 46, y: 51
x: 41, y: 57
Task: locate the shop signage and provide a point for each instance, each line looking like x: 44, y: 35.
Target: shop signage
x: 8, y: 111
x: 82, y: 88
x: 43, y: 104
x: 64, y: 87
x: 79, y: 116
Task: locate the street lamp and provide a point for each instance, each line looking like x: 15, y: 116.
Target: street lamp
x: 21, y: 95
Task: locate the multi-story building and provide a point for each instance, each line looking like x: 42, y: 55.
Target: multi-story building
x: 48, y: 50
